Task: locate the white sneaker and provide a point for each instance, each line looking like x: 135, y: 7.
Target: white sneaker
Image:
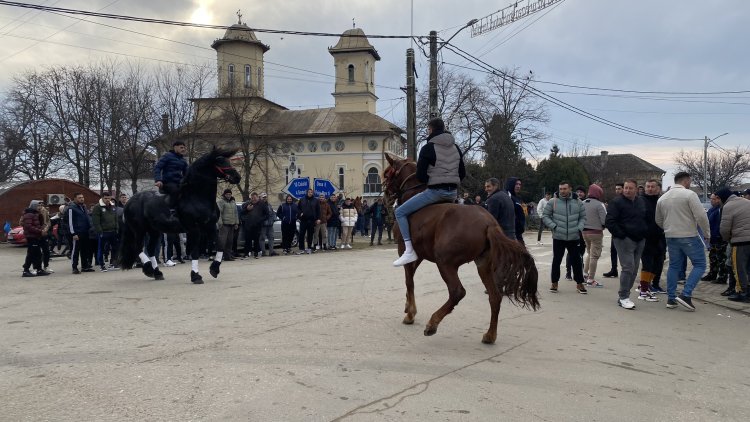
x: 169, y: 263
x: 626, y: 303
x: 648, y: 297
x: 48, y: 269
x: 406, y: 258
x: 348, y: 246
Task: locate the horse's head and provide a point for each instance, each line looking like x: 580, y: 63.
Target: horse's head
x: 358, y: 204
x: 223, y: 168
x: 399, y: 176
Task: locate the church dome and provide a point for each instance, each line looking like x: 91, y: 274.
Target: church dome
x: 240, y: 32
x: 354, y: 40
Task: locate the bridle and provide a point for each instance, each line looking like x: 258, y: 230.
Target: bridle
x: 392, y: 175
x: 223, y: 170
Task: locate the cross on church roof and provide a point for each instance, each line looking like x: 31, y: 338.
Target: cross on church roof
x: 239, y: 16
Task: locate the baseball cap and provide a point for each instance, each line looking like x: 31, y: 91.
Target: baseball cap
x: 264, y: 195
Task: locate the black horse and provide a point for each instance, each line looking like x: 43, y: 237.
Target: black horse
x: 196, y: 214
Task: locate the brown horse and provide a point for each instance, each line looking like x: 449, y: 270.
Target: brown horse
x: 451, y: 235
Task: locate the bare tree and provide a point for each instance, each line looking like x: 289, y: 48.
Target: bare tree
x: 727, y: 168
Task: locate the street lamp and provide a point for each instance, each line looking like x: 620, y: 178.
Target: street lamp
x: 433, y: 65
x: 707, y: 141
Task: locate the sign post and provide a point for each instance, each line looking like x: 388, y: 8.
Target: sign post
x: 298, y: 187
x: 324, y: 186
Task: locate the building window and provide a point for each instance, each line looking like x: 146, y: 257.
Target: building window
x: 341, y: 178
x: 351, y: 73
x: 230, y: 75
x: 248, y: 76
x: 372, y: 182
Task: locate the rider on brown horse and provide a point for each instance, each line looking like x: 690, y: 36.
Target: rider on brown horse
x: 441, y: 168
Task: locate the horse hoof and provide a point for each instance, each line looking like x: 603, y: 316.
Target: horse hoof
x: 428, y: 331
x: 487, y: 339
x: 214, y: 269
x: 196, y: 278
x: 148, y: 269
x: 158, y: 275
x: 408, y: 320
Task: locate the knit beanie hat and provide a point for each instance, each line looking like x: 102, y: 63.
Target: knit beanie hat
x: 723, y: 194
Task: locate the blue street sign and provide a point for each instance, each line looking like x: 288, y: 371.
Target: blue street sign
x: 324, y: 186
x: 298, y: 187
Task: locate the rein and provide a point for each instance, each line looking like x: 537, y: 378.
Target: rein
x: 222, y: 170
x: 401, y: 191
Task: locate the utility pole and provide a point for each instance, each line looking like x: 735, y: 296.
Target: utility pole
x: 411, y: 107
x: 705, y: 169
x: 433, y: 76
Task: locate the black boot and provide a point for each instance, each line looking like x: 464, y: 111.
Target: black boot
x: 611, y: 274
x: 709, y: 277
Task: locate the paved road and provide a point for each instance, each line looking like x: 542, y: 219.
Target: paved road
x: 319, y: 338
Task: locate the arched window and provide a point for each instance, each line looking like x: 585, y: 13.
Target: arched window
x: 248, y: 76
x: 372, y: 182
x: 351, y: 73
x: 341, y: 178
x: 230, y: 75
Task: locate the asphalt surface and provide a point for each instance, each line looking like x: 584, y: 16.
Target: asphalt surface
x: 319, y: 338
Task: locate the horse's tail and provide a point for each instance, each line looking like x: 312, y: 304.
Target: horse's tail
x: 513, y: 269
x: 128, y: 247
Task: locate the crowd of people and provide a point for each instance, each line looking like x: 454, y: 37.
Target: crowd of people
x: 645, y: 225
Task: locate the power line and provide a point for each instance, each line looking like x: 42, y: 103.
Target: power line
x: 185, y: 24
x: 491, y: 69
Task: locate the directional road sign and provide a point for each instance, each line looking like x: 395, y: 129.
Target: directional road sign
x: 298, y: 187
x: 324, y: 186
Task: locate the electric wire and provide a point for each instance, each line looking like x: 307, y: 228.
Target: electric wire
x: 491, y: 69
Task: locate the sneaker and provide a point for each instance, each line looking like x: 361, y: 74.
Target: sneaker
x: 28, y: 274
x: 626, y: 303
x: 648, y: 297
x: 75, y: 271
x: 658, y: 290
x: 686, y: 302
x: 610, y: 274
x: 40, y: 273
x: 300, y: 252
x: 728, y: 292
x: 581, y: 288
x: 708, y: 277
x: 87, y: 270
x: 103, y: 269
x: 307, y: 251
x: 48, y: 269
x: 348, y: 246
x: 406, y: 258
x: 553, y: 288
x: 671, y: 303
x: 169, y: 263
x: 681, y: 281
x: 594, y: 283
x: 113, y: 267
x: 568, y: 276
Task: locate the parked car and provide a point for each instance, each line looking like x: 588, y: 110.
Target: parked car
x: 276, y: 235
x: 16, y: 236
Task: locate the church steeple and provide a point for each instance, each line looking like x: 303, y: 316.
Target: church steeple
x: 240, y: 60
x: 354, y: 62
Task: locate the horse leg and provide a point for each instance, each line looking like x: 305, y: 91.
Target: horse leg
x: 154, y: 247
x: 410, y: 309
x: 484, y: 267
x: 456, y: 292
x: 213, y: 269
x: 194, y: 246
x: 147, y: 265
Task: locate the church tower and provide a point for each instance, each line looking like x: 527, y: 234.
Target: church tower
x: 240, y: 59
x: 354, y: 62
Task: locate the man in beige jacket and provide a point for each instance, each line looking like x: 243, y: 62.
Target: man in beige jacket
x: 679, y: 212
x: 735, y: 229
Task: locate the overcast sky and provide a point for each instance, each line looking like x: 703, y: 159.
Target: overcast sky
x: 664, y: 45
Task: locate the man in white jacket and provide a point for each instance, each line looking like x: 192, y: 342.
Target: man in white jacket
x: 679, y: 212
x: 539, y: 211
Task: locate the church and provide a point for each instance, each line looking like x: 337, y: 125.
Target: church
x: 345, y: 144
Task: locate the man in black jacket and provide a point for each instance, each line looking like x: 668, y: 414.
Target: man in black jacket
x: 501, y: 207
x: 626, y: 220
x: 655, y: 248
x: 309, y: 216
x: 79, y: 224
x: 253, y: 214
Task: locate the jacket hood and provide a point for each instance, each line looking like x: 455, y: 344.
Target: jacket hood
x: 444, y: 139
x: 595, y: 192
x: 510, y: 185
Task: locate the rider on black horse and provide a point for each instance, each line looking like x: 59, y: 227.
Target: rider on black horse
x: 169, y: 171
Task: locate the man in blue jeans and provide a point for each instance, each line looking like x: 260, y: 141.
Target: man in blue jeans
x: 441, y: 167
x: 679, y: 212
